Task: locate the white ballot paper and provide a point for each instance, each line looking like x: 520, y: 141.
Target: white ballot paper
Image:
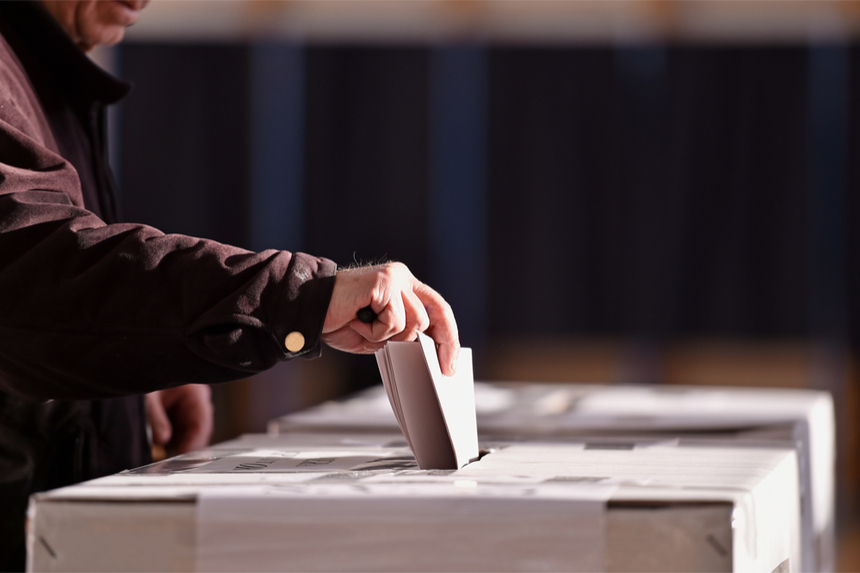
x: 436, y: 413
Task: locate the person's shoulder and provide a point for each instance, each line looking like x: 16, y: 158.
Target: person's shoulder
x: 20, y: 108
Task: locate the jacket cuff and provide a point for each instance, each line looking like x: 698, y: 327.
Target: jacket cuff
x: 301, y: 313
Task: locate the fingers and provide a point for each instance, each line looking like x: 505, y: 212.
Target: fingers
x: 193, y: 437
x: 402, y: 317
x: 449, y: 354
x: 158, y: 420
x: 404, y: 307
x: 442, y: 329
x: 181, y: 418
x: 392, y: 319
x: 348, y: 340
x: 416, y: 317
x: 377, y: 287
x: 193, y: 417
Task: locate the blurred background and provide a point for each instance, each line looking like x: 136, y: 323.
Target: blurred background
x: 652, y: 191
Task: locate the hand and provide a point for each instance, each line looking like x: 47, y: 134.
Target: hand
x: 181, y: 418
x: 404, y: 306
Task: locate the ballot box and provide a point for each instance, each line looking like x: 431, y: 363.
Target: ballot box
x: 695, y: 415
x: 329, y: 502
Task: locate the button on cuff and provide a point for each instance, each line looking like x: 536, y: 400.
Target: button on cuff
x: 294, y: 342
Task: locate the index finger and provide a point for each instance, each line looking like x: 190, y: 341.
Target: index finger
x: 442, y: 329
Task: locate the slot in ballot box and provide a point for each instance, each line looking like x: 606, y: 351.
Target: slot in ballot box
x: 696, y: 415
x: 328, y: 502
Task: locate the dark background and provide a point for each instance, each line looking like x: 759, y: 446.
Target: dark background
x: 591, y: 213
x: 657, y: 191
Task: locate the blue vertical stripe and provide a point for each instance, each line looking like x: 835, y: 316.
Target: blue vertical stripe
x: 828, y: 69
x: 827, y: 137
x: 458, y: 184
x: 277, y: 88
x: 277, y: 78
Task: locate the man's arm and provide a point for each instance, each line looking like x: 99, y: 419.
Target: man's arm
x: 91, y: 310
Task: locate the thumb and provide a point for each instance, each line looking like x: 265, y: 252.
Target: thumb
x: 158, y: 420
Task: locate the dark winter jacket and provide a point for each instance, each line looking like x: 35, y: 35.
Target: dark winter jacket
x: 94, y: 312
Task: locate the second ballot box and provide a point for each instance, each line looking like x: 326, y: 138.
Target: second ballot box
x: 330, y: 502
x: 694, y: 415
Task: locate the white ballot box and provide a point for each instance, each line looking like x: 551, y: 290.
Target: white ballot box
x: 695, y: 415
x: 328, y: 502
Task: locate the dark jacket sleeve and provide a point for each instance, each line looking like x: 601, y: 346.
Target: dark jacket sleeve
x: 90, y: 310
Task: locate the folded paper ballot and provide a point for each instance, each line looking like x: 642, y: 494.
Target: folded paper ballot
x: 436, y: 413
